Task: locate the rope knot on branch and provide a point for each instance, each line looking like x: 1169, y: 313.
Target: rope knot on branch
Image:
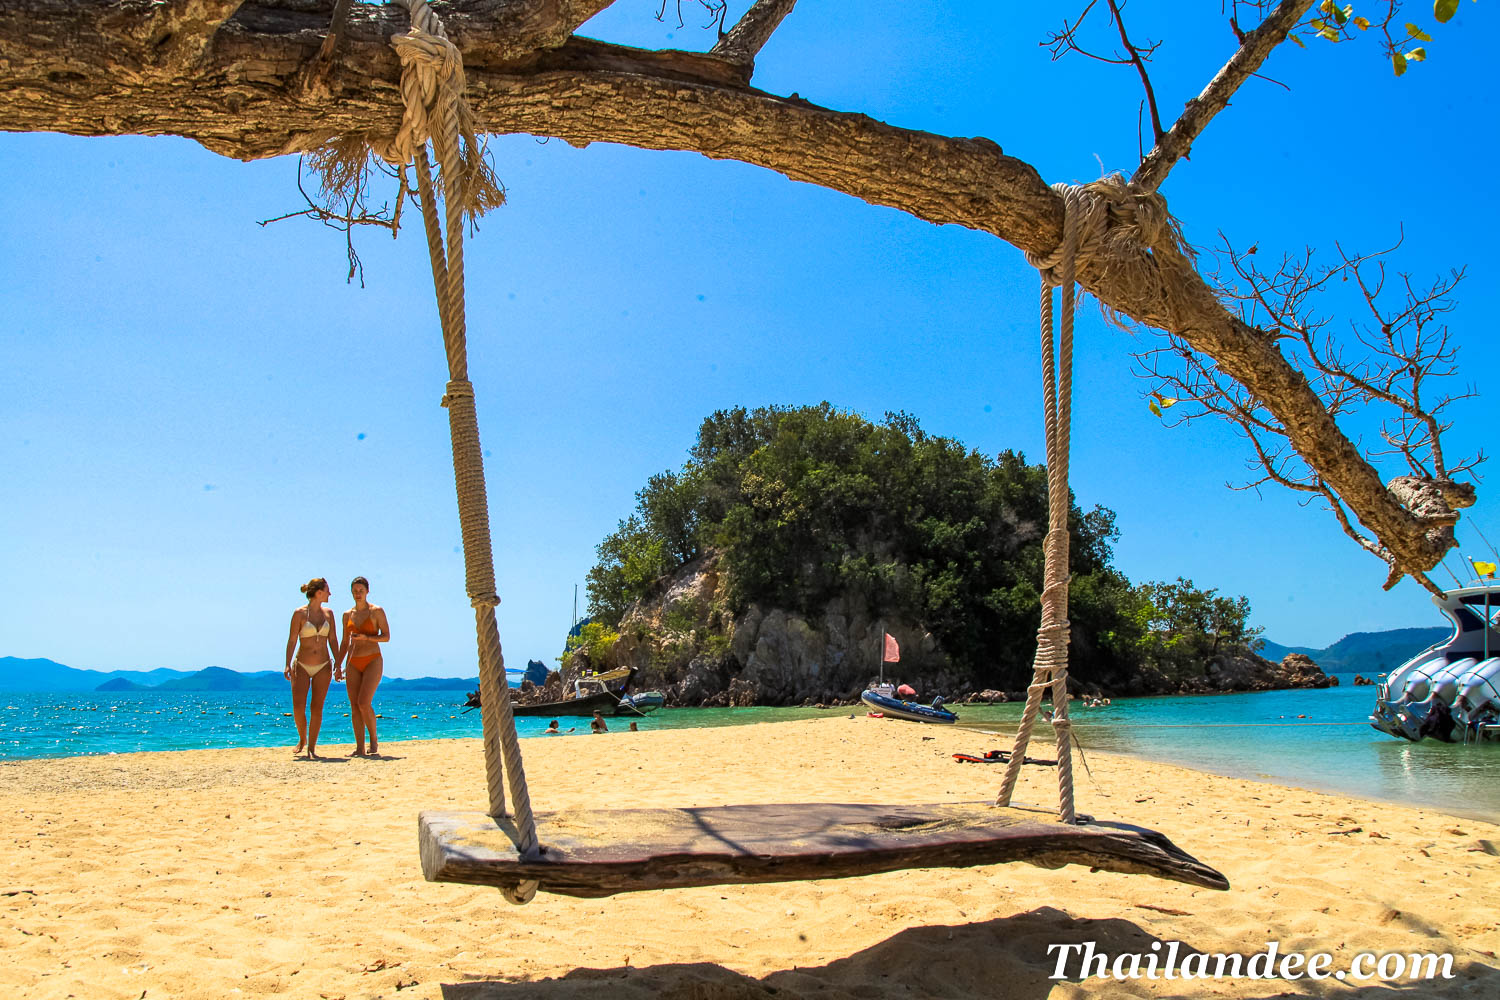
x: 1106, y: 224
x: 436, y: 110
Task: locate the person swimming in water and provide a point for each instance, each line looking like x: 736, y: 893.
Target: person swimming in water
x: 365, y: 627
x: 313, y: 641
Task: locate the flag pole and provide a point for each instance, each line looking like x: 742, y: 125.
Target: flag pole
x: 1479, y: 578
x: 880, y: 647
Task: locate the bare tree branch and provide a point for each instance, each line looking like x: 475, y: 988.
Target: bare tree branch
x: 750, y: 33
x: 1062, y: 42
x: 1407, y: 346
x: 1255, y: 46
x: 717, y: 10
x: 1138, y: 59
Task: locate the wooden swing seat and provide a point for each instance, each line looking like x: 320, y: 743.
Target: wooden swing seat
x: 591, y: 853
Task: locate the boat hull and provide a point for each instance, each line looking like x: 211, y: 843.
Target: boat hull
x: 1450, y: 691
x: 908, y: 710
x: 585, y: 706
x: 640, y: 704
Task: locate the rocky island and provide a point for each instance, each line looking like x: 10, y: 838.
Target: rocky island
x: 767, y: 570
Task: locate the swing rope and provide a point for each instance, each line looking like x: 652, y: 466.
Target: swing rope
x: 432, y: 87
x: 1084, y: 224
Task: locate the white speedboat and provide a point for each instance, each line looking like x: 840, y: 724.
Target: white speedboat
x: 1450, y: 691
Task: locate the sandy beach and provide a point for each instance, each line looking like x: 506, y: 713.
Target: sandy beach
x: 245, y: 872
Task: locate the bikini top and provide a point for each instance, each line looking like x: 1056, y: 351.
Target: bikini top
x: 361, y: 628
x: 309, y: 629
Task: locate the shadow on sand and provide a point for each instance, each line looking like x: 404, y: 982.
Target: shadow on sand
x: 1006, y: 957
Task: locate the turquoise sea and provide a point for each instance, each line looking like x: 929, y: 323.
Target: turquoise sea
x: 1311, y: 739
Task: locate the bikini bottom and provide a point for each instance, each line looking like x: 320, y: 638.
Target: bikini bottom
x: 312, y: 668
x: 361, y: 662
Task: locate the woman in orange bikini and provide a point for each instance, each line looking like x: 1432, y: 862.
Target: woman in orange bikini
x: 365, y: 628
x: 315, y: 642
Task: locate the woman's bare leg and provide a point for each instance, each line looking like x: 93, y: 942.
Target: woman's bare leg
x: 315, y: 721
x: 352, y: 678
x: 367, y: 685
x: 300, y: 683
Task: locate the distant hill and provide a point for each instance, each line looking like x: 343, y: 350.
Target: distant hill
x: 121, y: 684
x: 1366, y: 653
x: 1276, y: 651
x: 220, y: 679
x: 17, y: 674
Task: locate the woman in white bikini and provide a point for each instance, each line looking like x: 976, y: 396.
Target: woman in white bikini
x: 314, y: 641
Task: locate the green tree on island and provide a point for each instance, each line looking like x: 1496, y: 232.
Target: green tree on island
x: 803, y: 505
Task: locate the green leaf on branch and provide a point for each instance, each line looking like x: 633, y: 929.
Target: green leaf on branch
x: 1417, y: 54
x: 1417, y: 33
x: 1156, y: 410
x: 1363, y: 24
x: 1300, y: 43
x: 1398, y: 63
x: 1444, y: 10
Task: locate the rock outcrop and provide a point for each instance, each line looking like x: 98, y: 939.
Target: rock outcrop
x: 686, y: 644
x: 1240, y: 670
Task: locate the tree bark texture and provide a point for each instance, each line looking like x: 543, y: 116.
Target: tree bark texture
x: 233, y: 76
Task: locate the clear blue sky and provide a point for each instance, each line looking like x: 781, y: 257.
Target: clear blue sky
x: 197, y: 414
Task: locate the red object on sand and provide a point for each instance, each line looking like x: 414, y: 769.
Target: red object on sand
x: 906, y: 691
x: 875, y: 715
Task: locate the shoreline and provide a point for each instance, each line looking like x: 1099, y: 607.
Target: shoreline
x: 197, y: 873
x: 1247, y: 768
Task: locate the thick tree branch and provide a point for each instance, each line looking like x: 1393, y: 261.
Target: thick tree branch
x: 79, y: 66
x: 1255, y: 46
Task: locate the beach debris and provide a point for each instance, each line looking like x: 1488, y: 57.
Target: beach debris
x: 1345, y: 833
x: 1482, y: 846
x: 1162, y: 909
x: 1387, y: 915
